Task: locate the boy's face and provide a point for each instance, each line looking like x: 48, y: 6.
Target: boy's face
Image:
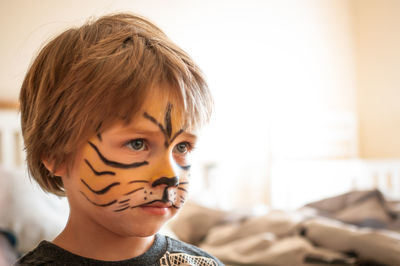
x: 132, y: 178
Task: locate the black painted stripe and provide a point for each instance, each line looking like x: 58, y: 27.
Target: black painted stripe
x: 97, y: 172
x: 182, y: 189
x: 119, y: 210
x: 138, y: 181
x: 101, y: 191
x: 99, y: 205
x: 167, y: 120
x: 116, y: 164
x: 122, y: 201
x: 168, y: 124
x: 177, y: 134
x: 152, y: 119
x: 133, y: 191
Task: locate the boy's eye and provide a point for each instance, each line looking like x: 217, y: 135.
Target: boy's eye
x: 182, y: 147
x: 137, y: 144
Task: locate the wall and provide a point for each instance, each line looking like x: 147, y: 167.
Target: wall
x: 285, y: 65
x: 377, y: 50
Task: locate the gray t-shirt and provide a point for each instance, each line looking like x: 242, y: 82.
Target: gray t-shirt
x: 164, y: 251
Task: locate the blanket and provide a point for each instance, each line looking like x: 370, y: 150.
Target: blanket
x: 356, y: 228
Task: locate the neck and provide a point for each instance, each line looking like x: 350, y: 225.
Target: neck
x: 97, y: 242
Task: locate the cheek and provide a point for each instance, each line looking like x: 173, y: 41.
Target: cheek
x: 120, y: 185
x: 118, y: 190
x: 105, y: 181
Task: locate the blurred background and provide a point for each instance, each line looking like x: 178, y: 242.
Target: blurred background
x: 306, y: 92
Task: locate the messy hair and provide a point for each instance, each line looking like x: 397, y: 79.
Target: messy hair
x: 87, y: 78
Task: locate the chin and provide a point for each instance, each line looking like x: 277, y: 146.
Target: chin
x: 138, y: 230
x: 147, y: 233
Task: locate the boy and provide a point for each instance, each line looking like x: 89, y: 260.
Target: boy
x: 109, y: 115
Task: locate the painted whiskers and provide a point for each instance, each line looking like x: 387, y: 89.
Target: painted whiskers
x: 136, y: 193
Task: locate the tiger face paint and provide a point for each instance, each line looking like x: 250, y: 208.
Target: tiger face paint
x: 137, y: 172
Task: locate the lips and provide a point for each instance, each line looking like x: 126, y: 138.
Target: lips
x: 158, y: 204
x: 157, y: 208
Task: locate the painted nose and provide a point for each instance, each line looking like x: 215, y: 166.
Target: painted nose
x: 168, y: 181
x: 165, y: 172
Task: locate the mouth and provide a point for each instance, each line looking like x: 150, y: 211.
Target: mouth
x: 156, y: 207
x: 158, y: 204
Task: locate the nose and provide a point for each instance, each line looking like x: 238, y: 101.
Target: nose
x: 169, y: 181
x: 165, y: 172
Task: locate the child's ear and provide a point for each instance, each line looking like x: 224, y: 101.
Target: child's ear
x: 60, y: 171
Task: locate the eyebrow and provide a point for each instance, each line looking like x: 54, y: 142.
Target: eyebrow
x: 189, y: 135
x: 139, y: 130
x: 153, y: 127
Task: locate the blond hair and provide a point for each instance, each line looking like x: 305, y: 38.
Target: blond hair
x: 87, y: 78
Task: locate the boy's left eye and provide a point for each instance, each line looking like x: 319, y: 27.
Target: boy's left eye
x: 182, y: 147
x: 137, y: 144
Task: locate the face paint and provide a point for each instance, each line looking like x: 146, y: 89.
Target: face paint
x: 153, y: 174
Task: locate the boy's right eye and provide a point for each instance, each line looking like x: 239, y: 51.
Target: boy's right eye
x: 137, y: 144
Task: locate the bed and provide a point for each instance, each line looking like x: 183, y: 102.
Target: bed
x: 355, y: 225
x: 355, y: 228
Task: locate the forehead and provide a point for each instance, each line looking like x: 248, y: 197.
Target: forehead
x: 161, y: 105
x: 158, y: 109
